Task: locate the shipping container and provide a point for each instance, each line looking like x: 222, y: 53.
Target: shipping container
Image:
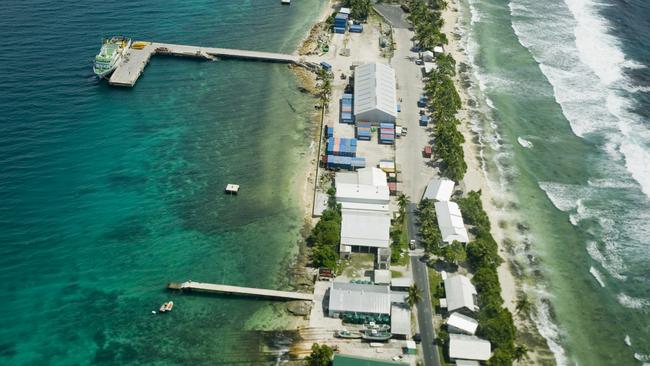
x: 426, y: 152
x: 356, y: 28
x: 422, y: 102
x: 358, y: 163
x: 325, y: 66
x: 386, y: 125
x: 424, y: 120
x: 339, y: 30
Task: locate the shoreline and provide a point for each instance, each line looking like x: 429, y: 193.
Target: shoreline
x: 476, y: 179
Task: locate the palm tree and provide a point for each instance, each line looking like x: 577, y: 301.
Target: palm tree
x: 520, y: 353
x: 524, y: 305
x: 414, y: 295
x: 402, y: 201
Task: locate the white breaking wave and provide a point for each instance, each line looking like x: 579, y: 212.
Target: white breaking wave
x: 594, y: 272
x: 632, y: 302
x: 524, y: 143
x: 586, y: 67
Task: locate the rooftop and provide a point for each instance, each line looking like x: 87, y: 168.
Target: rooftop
x: 359, y: 298
x: 463, y: 323
x: 460, y: 293
x: 468, y: 347
x: 450, y: 222
x: 365, y: 228
x: 439, y: 189
x: 400, y: 320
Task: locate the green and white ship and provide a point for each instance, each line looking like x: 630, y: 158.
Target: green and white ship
x: 110, y: 55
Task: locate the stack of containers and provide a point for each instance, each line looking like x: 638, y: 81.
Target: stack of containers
x: 342, y: 147
x: 387, y: 133
x: 346, y: 109
x: 340, y: 23
x: 364, y: 130
x: 345, y: 162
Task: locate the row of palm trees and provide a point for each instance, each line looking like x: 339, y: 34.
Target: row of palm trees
x: 444, y: 101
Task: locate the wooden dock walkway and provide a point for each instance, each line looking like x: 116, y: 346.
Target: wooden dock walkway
x: 236, y: 290
x: 135, y: 60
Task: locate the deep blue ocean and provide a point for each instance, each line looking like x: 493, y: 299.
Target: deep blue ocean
x: 107, y: 194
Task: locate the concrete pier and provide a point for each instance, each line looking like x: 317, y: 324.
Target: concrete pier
x: 236, y: 290
x: 135, y: 60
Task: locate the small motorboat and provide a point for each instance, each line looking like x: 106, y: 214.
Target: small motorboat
x: 165, y: 307
x: 376, y: 335
x: 346, y: 334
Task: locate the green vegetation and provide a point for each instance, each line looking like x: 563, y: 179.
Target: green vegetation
x: 325, y: 86
x: 399, y: 233
x: 444, y: 101
x: 321, y: 355
x: 454, y: 252
x: 325, y: 236
x: 429, y: 232
x: 359, y: 8
x: 413, y: 296
x: 495, y: 321
x: 435, y: 288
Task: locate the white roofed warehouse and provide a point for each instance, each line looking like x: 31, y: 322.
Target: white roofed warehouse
x: 359, y: 300
x: 374, y: 93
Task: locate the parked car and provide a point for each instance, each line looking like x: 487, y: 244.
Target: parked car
x: 412, y: 244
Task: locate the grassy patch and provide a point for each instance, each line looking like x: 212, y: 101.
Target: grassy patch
x: 395, y: 274
x: 399, y: 246
x: 434, y: 285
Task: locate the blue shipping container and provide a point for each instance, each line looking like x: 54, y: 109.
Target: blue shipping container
x: 356, y: 28
x: 326, y: 66
x: 339, y: 30
x: 424, y: 120
x: 386, y: 125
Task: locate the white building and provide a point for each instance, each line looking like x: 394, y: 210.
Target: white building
x: 439, y: 190
x: 459, y: 323
x: 465, y: 347
x: 400, y: 321
x: 450, y: 222
x: 365, y: 215
x: 374, y: 93
x: 460, y: 294
x: 358, y: 298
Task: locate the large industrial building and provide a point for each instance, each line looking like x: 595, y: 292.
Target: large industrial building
x: 359, y: 300
x: 374, y: 93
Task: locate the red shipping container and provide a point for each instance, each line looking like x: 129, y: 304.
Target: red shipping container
x: 427, y: 151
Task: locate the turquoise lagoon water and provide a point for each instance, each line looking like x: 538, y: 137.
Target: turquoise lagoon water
x: 106, y: 194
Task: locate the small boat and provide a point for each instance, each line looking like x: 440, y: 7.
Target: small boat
x: 165, y: 307
x: 286, y: 2
x: 346, y: 334
x: 376, y: 335
x: 374, y: 326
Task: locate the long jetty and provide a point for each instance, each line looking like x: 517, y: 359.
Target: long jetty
x: 135, y: 60
x: 236, y: 290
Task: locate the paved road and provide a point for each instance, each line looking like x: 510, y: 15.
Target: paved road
x: 425, y: 312
x: 394, y: 14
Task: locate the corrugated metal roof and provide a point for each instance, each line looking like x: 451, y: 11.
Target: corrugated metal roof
x: 463, y: 322
x: 469, y: 347
x: 347, y: 360
x: 400, y: 320
x: 365, y: 228
x: 374, y: 89
x: 450, y: 222
x: 439, y: 189
x: 359, y: 298
x: 467, y: 363
x: 460, y: 293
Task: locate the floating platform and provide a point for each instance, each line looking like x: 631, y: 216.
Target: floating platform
x: 232, y: 188
x: 136, y: 59
x: 242, y: 291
